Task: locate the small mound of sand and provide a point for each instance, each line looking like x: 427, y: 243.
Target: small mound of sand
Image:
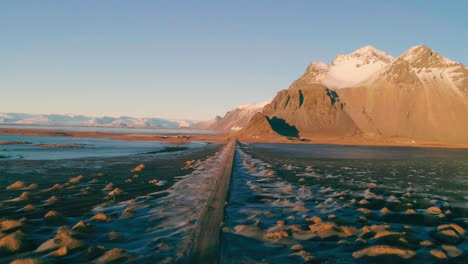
x: 426, y: 243
x: 364, y: 210
x: 116, y: 192
x: 275, y: 236
x: 64, y: 238
x: 447, y: 236
x: 297, y: 247
x: 113, y: 255
x: 128, y: 213
x: 82, y: 227
x: 13, y: 242
x: 389, y: 236
x: 365, y: 230
x: 56, y: 187
x: 17, y: 185
x: 360, y: 241
x: 384, y: 210
x: 376, y: 251
x: 438, y: 254
x: 379, y: 228
x: 29, y: 208
x: 325, y: 230
x: 434, y: 210
x: 93, y: 181
x: 138, y: 168
x: 101, y: 217
x: 54, y: 217
x: 33, y: 186
x: 306, y: 256
x: 76, y: 179
x: 454, y: 227
x: 25, y: 196
x: 363, y: 201
x: 452, y: 251
x: 108, y: 187
x: 63, y: 251
x: 52, y: 199
x: 315, y: 220
x: 9, y: 225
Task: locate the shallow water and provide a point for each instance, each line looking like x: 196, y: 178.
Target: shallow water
x: 321, y: 151
x: 115, y: 129
x: 348, y: 188
x: 90, y: 147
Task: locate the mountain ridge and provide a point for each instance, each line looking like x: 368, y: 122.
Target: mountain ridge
x: 420, y: 95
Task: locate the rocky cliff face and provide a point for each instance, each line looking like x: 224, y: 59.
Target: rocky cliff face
x: 420, y: 95
x: 311, y: 109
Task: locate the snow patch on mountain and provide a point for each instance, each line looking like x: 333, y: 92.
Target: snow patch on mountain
x: 235, y: 119
x: 349, y: 70
x: 253, y: 106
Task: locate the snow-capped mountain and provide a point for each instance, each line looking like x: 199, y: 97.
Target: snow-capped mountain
x: 419, y: 95
x: 235, y: 119
x: 348, y: 70
x: 80, y: 120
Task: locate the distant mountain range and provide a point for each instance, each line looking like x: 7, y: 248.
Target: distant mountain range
x: 420, y: 95
x: 81, y: 120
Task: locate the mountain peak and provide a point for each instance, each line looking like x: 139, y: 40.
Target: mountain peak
x: 318, y: 66
x: 354, y: 68
x: 418, y: 48
x: 423, y: 57
x: 366, y: 55
x: 372, y: 51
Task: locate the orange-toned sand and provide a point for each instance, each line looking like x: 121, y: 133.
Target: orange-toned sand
x: 223, y: 137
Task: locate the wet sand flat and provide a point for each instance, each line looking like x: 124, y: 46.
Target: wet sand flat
x: 95, y: 209
x: 222, y: 137
x: 170, y: 138
x: 288, y: 203
x: 310, y: 204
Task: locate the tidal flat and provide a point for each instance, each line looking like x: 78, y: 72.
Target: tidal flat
x: 113, y: 208
x: 346, y: 204
x: 117, y: 201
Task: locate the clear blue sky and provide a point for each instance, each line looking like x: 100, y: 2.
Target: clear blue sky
x: 196, y: 59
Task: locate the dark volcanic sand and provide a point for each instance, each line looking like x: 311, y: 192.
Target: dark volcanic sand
x: 341, y: 204
x: 80, y: 200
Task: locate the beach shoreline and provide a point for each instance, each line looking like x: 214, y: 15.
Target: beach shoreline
x: 224, y: 137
